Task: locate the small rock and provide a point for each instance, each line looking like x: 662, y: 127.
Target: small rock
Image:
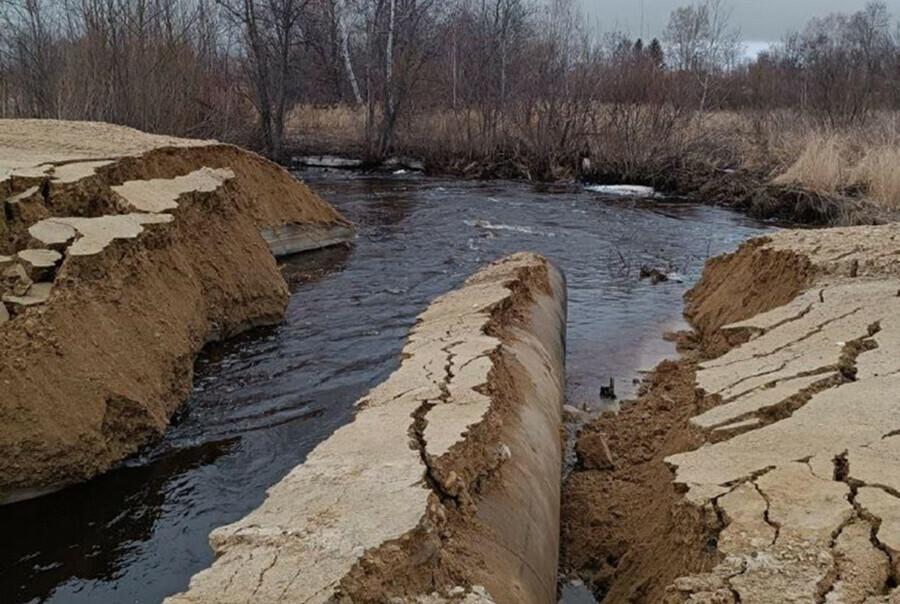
x: 573, y: 414
x: 6, y: 262
x: 16, y: 280
x: 37, y: 294
x: 654, y: 274
x: 593, y: 452
x: 609, y: 392
x: 4, y: 314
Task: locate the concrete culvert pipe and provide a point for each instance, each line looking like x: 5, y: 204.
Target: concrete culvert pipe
x: 445, y: 487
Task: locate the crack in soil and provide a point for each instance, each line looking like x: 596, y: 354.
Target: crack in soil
x: 842, y: 474
x: 815, y: 331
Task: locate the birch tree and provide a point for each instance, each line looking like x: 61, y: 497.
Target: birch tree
x: 701, y: 40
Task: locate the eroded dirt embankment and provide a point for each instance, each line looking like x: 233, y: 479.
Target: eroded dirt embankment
x: 445, y: 487
x: 121, y: 255
x: 763, y: 465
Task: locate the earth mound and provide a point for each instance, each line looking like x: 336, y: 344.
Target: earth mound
x: 121, y: 255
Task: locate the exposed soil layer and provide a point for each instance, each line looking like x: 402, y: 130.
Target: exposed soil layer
x: 95, y: 369
x: 445, y: 486
x: 738, y: 286
x: 790, y: 383
x: 624, y: 526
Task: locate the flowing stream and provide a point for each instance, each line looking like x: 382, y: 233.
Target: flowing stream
x: 262, y: 402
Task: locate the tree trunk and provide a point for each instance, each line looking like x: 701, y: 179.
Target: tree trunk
x: 345, y: 52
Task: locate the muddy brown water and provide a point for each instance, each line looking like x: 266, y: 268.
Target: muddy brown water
x: 262, y: 402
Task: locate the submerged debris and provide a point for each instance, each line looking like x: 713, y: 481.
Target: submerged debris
x: 608, y: 392
x: 659, y: 276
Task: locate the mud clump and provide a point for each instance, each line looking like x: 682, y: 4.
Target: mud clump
x: 95, y: 369
x: 760, y: 466
x: 624, y: 528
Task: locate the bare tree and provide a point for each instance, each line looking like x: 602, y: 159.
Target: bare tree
x: 702, y: 41
x: 345, y: 50
x: 271, y: 30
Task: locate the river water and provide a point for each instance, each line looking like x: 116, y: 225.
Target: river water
x: 263, y: 401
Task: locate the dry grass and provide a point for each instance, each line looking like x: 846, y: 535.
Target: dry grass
x: 879, y: 174
x: 821, y: 167
x: 784, y: 147
x: 864, y: 161
x: 329, y: 129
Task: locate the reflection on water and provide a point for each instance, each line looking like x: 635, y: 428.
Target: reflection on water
x: 263, y: 401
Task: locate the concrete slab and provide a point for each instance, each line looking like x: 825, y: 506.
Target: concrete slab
x: 863, y: 569
x: 75, y: 171
x: 756, y: 401
x: 97, y: 233
x: 19, y: 197
x: 39, y: 259
x: 161, y: 194
x: 36, y: 295
x: 840, y: 343
x: 877, y: 464
x: 746, y: 528
x: 288, y: 239
x: 885, y: 508
x: 804, y: 506
x: 52, y: 233
x: 32, y: 147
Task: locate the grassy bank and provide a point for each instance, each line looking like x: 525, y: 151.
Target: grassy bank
x: 775, y: 164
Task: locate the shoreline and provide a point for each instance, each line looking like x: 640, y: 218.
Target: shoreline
x: 740, y: 190
x: 675, y: 498
x: 125, y: 254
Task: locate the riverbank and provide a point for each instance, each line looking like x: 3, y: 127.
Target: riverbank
x: 759, y: 467
x: 780, y: 165
x: 123, y: 255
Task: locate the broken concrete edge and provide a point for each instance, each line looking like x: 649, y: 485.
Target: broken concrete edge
x: 771, y: 443
x: 147, y: 200
x: 445, y: 487
x: 335, y: 162
x: 289, y: 238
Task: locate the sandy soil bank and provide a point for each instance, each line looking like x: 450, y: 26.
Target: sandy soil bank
x: 121, y: 255
x: 445, y: 487
x: 762, y: 466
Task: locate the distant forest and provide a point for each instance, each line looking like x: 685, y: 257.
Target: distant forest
x: 235, y: 69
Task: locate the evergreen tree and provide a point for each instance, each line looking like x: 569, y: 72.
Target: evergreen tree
x: 638, y: 48
x: 657, y: 56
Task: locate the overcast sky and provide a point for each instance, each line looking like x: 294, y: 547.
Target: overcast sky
x: 759, y: 20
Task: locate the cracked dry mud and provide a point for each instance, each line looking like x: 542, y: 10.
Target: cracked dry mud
x: 121, y: 255
x: 445, y: 487
x: 822, y: 377
x: 789, y: 449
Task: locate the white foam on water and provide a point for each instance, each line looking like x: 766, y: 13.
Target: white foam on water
x: 489, y: 226
x: 624, y: 190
